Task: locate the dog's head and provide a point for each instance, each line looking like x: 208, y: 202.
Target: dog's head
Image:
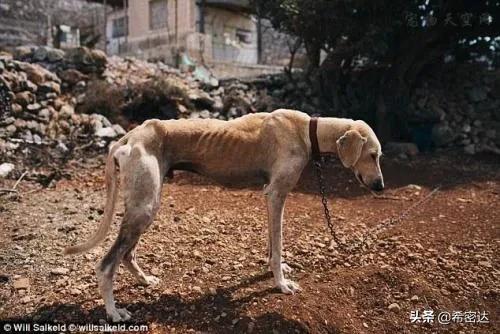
x: 360, y: 150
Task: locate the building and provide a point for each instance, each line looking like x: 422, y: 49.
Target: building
x: 58, y: 23
x: 221, y: 33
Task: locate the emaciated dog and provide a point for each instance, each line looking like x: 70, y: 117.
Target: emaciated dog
x: 271, y: 148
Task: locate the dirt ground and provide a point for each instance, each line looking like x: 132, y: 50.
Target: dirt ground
x: 208, y: 247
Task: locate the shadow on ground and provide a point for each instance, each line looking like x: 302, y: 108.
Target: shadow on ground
x: 209, y: 313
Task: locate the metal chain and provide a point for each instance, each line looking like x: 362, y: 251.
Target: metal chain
x: 363, y: 241
x: 324, y: 200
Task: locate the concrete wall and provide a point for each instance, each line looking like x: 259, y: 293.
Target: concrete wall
x: 27, y: 21
x: 223, y: 26
x: 147, y: 43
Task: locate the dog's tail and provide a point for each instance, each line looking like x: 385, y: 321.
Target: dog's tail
x: 111, y: 196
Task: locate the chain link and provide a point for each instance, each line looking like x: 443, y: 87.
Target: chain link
x: 324, y: 200
x: 365, y: 239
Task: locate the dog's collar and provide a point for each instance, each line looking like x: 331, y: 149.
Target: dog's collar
x: 313, y: 138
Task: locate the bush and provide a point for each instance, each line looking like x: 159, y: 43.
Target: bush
x: 156, y: 98
x: 103, y: 98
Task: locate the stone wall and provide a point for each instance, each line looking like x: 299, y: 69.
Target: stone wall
x: 462, y: 104
x: 28, y: 21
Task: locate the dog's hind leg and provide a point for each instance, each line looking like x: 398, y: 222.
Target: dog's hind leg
x: 130, y: 263
x: 142, y: 185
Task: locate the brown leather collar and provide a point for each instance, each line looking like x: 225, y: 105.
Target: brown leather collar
x: 313, y: 137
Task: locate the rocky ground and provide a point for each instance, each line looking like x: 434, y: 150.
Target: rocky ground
x: 208, y: 246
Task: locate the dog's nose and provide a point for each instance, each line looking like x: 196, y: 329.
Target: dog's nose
x: 378, y: 185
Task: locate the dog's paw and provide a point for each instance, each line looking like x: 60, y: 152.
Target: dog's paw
x: 286, y: 268
x: 119, y: 315
x: 150, y: 280
x: 288, y: 287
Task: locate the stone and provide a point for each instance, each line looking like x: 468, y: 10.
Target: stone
x: 72, y: 76
x: 22, y: 52
x: 119, y: 130
x: 442, y: 134
x: 49, y: 87
x: 477, y: 94
x: 99, y: 57
x: 16, y: 108
x: 406, y: 148
x: 6, y: 168
x: 394, y: 307
x: 59, y: 271
x: 107, y: 132
x: 44, y: 114
x: 37, y: 74
x: 55, y: 55
x: 22, y: 283
x: 40, y: 53
x: 34, y: 107
x: 11, y: 129
x: 24, y: 98
x: 66, y: 111
x: 470, y: 149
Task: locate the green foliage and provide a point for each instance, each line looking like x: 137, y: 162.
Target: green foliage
x: 381, y: 30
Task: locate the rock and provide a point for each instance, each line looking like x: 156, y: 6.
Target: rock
x: 72, y: 76
x: 119, y: 130
x: 5, y: 169
x: 442, y: 134
x: 40, y: 53
x: 11, y: 129
x: 75, y: 292
x: 16, y: 108
x: 66, y: 111
x: 470, y: 149
x: 22, y: 52
x: 414, y: 298
x: 397, y: 148
x: 99, y: 57
x: 49, y: 87
x: 59, y: 271
x: 477, y: 94
x: 486, y: 264
x: 37, y: 74
x: 394, y: 307
x: 34, y: 107
x: 24, y: 98
x: 55, y: 55
x: 108, y: 132
x: 22, y: 283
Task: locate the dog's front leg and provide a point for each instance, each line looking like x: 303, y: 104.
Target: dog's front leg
x: 275, y: 206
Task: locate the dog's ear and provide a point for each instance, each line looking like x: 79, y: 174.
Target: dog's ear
x: 349, y: 147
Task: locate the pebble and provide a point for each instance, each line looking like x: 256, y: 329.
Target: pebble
x: 59, y: 271
x: 394, y: 307
x: 21, y: 283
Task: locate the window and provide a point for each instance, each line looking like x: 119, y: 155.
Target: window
x: 119, y: 27
x: 244, y: 36
x: 157, y: 14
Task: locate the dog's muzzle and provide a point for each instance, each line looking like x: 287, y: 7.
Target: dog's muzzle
x: 377, y: 185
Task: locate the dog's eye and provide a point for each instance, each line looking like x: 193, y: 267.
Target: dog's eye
x: 374, y: 156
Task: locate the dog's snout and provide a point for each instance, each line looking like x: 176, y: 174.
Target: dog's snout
x: 378, y: 185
